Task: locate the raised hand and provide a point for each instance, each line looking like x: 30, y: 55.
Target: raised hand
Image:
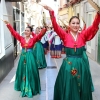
x: 6, y: 22
x: 47, y: 8
x: 98, y: 12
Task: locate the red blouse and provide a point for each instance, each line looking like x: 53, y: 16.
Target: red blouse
x: 33, y: 34
x: 82, y: 38
x: 31, y: 42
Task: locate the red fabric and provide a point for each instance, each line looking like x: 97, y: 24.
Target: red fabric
x: 68, y: 29
x: 36, y: 34
x: 82, y: 38
x: 33, y: 34
x: 31, y: 42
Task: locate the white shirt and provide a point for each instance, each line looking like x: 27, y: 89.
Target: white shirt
x: 44, y: 39
x: 56, y: 39
x: 46, y: 35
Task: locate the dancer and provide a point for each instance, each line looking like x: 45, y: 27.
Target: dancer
x: 74, y: 81
x: 51, y: 43
x: 44, y: 41
x: 27, y: 76
x: 56, y: 43
x: 38, y: 51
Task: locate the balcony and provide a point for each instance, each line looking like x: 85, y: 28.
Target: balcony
x: 15, y: 0
x: 38, y: 1
x: 72, y: 2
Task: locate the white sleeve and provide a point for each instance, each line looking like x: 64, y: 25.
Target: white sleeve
x: 53, y: 34
x: 48, y: 36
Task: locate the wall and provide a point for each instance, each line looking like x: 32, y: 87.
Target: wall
x: 87, y: 12
x: 7, y: 61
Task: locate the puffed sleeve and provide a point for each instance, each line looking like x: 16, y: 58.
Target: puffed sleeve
x: 91, y: 31
x: 13, y: 32
x: 39, y: 36
x: 62, y: 34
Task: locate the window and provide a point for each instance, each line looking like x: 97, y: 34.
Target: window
x: 22, y: 22
x: 19, y: 26
x: 16, y: 14
x: 16, y: 23
x: 90, y: 44
x: 89, y: 23
x: 38, y: 1
x: 98, y: 1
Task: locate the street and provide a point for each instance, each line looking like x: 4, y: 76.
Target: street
x: 47, y: 78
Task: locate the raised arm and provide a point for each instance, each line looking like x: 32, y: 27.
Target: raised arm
x: 33, y: 34
x: 13, y: 32
x: 91, y: 31
x: 56, y: 27
x: 39, y: 36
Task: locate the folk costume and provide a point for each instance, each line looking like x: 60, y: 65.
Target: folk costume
x: 39, y: 54
x: 56, y: 44
x: 51, y: 40
x: 74, y: 81
x: 27, y: 76
x: 44, y: 42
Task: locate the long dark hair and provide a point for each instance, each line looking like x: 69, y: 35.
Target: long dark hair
x: 73, y: 18
x: 31, y: 29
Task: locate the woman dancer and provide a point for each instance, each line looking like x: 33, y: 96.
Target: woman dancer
x: 38, y: 51
x: 74, y: 81
x: 27, y: 76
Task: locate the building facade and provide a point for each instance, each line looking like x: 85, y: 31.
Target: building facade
x: 7, y: 43
x: 33, y: 13
x: 83, y: 9
x: 18, y: 23
x: 65, y: 11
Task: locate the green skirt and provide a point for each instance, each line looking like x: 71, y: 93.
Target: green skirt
x: 39, y: 55
x: 27, y: 76
x: 74, y: 80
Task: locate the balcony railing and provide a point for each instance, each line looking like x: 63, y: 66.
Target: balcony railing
x: 71, y: 3
x: 75, y: 1
x: 15, y: 0
x: 38, y: 1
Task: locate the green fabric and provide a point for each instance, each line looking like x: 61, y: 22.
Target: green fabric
x: 39, y: 55
x: 27, y: 76
x: 78, y: 86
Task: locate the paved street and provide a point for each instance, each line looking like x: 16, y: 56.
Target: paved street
x: 47, y: 77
